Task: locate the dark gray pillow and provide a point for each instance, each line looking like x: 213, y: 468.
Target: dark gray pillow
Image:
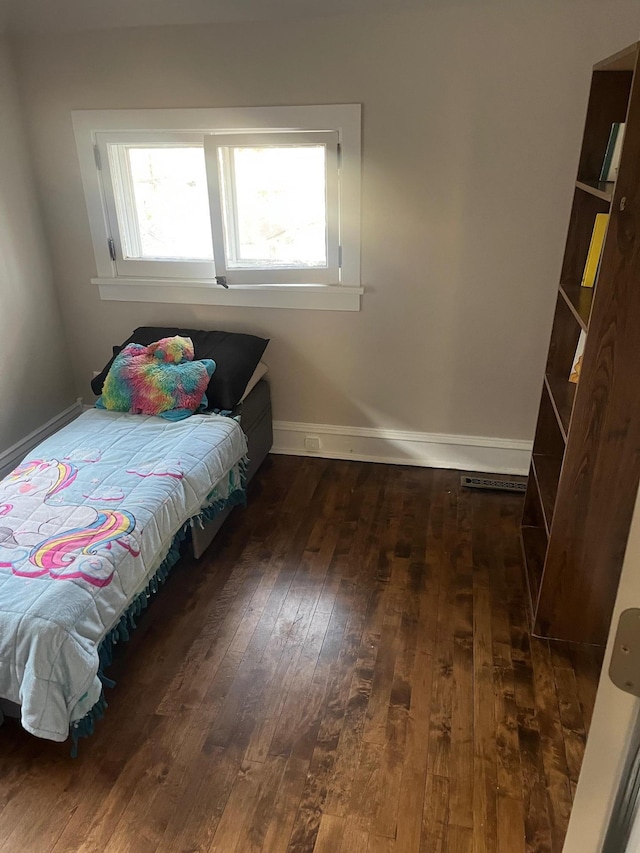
x: 236, y: 357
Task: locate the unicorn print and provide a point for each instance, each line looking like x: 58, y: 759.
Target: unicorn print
x: 43, y: 536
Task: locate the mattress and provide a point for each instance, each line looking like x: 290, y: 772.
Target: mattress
x: 88, y: 523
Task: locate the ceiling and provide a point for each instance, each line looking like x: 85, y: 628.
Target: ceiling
x: 72, y: 15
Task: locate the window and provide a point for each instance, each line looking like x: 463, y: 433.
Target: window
x: 239, y: 207
x: 157, y: 205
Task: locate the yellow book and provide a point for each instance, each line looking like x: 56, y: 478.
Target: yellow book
x: 595, y: 250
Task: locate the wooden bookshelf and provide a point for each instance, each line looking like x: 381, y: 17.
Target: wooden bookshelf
x: 599, y: 189
x: 585, y: 466
x: 579, y: 300
x: 534, y: 548
x: 546, y: 470
x: 562, y: 394
x: 535, y: 536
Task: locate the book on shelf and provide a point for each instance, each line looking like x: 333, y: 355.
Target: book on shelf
x: 595, y: 250
x: 576, y: 366
x: 611, y: 160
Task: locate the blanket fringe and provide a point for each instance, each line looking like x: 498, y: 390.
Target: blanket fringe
x: 120, y: 631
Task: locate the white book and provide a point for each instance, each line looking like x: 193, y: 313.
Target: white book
x: 576, y: 366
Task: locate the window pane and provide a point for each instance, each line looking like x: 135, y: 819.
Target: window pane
x: 279, y: 217
x: 169, y: 188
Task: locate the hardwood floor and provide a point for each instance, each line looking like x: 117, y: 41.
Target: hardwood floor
x: 348, y: 669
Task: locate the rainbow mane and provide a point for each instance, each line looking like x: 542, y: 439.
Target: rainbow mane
x: 23, y: 469
x: 66, y: 473
x: 58, y: 551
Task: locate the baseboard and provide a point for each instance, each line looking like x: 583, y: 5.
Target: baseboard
x: 393, y: 447
x: 13, y: 455
x: 398, y: 447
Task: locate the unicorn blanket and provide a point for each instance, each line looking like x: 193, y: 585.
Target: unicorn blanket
x: 85, y: 521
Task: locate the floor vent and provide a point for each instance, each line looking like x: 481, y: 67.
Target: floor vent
x: 491, y: 483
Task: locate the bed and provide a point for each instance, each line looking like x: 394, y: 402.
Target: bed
x: 255, y: 416
x: 90, y: 525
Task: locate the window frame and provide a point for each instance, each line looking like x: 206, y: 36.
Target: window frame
x: 329, y: 274
x: 93, y: 127
x: 125, y: 267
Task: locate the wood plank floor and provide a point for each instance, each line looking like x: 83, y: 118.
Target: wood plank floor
x: 348, y: 669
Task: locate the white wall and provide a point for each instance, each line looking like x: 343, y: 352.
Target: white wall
x: 35, y: 373
x: 473, y: 113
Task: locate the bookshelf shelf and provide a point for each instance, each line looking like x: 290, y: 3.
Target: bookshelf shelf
x: 623, y: 60
x: 534, y: 539
x: 579, y: 299
x: 599, y: 189
x: 534, y: 548
x: 585, y: 467
x: 546, y: 470
x: 562, y: 394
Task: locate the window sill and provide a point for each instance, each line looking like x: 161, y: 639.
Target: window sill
x: 312, y: 296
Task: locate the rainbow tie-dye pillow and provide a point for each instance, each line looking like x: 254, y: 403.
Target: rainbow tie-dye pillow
x: 173, y: 350
x: 161, y: 379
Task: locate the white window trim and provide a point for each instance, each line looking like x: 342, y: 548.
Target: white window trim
x: 343, y: 118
